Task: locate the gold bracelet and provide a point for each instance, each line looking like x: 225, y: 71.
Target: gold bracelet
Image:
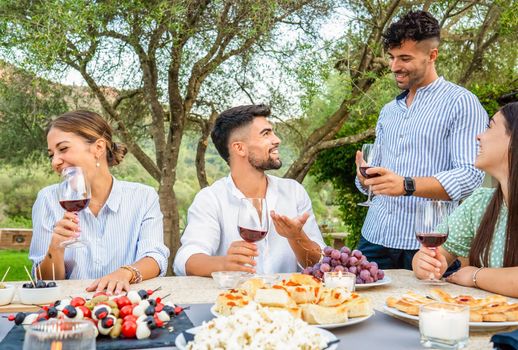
x: 475, y: 276
x: 136, y: 276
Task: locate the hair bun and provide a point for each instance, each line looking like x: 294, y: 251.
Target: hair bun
x: 117, y: 153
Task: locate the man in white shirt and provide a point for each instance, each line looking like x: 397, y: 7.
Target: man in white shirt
x: 211, y: 242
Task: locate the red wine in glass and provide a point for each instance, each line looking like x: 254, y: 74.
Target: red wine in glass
x: 74, y: 196
x: 74, y: 205
x: 363, y: 171
x: 432, y: 240
x: 251, y: 235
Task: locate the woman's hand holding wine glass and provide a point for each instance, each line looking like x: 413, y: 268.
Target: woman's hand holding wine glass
x: 429, y: 264
x: 431, y: 228
x: 75, y: 195
x: 65, y: 229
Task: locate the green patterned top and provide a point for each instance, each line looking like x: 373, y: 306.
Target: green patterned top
x: 464, y: 221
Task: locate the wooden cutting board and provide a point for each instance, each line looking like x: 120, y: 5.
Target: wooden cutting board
x: 10, y: 308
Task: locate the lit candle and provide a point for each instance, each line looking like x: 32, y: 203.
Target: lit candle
x: 444, y: 324
x: 340, y: 280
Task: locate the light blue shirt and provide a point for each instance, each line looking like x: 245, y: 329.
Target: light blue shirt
x: 128, y: 228
x: 434, y: 136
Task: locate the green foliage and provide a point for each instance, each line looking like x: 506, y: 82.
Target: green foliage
x: 19, y: 186
x: 488, y: 95
x: 27, y: 104
x: 16, y: 259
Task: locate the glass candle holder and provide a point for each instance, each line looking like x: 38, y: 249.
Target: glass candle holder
x: 60, y: 335
x: 444, y: 326
x: 340, y: 280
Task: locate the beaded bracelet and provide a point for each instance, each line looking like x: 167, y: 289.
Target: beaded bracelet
x: 475, y: 276
x: 135, y: 273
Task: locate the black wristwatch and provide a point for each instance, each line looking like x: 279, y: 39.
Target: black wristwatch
x: 409, y: 185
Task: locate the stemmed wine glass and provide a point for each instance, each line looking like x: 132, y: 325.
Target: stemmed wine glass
x: 252, y: 219
x: 74, y: 196
x: 431, y: 226
x: 371, y: 153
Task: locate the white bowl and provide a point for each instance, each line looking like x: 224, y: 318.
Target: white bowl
x: 38, y: 296
x: 267, y: 279
x: 228, y: 279
x: 7, y: 294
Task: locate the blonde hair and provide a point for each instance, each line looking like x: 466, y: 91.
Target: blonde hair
x: 91, y: 127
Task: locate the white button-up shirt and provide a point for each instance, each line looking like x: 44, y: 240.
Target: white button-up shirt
x: 212, y: 224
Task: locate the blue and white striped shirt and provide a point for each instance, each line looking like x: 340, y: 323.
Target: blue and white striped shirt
x: 434, y: 136
x: 128, y: 228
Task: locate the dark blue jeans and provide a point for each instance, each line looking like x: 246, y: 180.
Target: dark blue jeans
x: 392, y: 258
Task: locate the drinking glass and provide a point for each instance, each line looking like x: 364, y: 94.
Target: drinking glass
x: 371, y: 153
x: 74, y: 196
x: 60, y: 335
x: 253, y: 219
x: 429, y: 215
x: 443, y: 325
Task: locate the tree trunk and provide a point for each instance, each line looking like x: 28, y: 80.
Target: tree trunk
x: 203, y: 142
x: 200, y: 161
x: 169, y: 207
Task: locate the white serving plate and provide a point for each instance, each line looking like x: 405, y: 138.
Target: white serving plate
x: 473, y: 326
x: 181, y: 343
x: 386, y: 280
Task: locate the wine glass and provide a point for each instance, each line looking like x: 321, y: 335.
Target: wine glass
x: 252, y: 219
x: 74, y: 196
x: 371, y: 153
x: 431, y: 226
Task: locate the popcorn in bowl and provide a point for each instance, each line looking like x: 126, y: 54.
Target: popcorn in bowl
x: 253, y: 327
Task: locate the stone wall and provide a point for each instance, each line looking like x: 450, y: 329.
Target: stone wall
x: 15, y: 238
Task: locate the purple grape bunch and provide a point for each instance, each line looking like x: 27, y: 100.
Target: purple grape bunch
x: 346, y: 260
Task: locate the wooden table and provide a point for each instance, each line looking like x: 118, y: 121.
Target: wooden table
x: 199, y: 290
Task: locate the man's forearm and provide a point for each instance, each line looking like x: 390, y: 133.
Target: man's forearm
x: 307, y: 252
x: 430, y: 187
x: 203, y: 265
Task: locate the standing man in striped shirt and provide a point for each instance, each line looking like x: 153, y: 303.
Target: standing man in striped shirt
x: 428, y: 143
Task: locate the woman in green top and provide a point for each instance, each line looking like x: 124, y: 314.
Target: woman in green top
x: 484, y: 228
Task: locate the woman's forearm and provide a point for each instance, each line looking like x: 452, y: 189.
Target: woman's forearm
x: 54, y: 259
x: 148, y: 267
x: 502, y: 280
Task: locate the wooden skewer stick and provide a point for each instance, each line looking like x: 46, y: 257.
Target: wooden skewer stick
x: 30, y: 277
x: 53, y: 273
x: 39, y: 270
x: 5, y: 274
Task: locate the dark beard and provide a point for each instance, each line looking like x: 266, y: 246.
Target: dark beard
x: 264, y: 165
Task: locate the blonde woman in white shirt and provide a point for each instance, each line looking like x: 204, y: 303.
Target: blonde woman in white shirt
x: 211, y: 242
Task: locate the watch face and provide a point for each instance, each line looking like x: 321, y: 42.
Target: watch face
x: 409, y: 184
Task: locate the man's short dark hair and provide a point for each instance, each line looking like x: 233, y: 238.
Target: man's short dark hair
x: 232, y: 119
x: 415, y: 25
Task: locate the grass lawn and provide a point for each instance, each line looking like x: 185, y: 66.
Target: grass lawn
x: 16, y: 259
